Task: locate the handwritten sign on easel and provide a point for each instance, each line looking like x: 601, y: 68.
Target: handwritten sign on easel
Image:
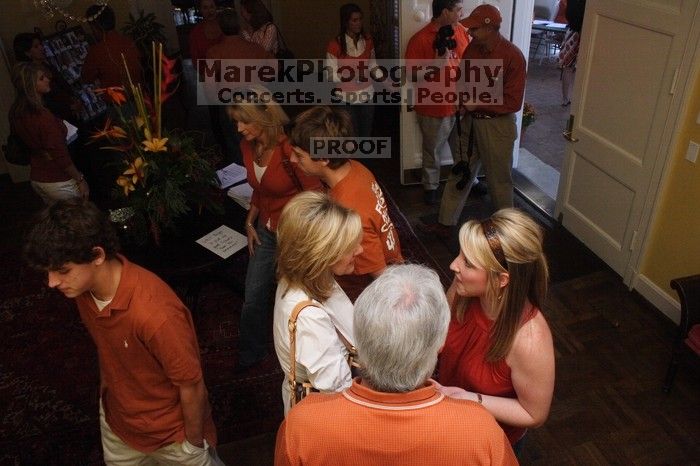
x: 223, y: 241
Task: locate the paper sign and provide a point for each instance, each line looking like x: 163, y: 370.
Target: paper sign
x: 241, y: 194
x: 223, y: 241
x: 231, y: 175
x: 72, y: 133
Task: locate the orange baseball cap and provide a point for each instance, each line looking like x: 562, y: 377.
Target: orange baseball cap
x: 483, y: 15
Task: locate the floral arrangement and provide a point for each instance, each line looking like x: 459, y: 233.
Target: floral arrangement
x: 529, y: 115
x: 165, y: 174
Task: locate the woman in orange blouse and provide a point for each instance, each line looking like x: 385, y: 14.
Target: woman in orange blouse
x: 351, y: 45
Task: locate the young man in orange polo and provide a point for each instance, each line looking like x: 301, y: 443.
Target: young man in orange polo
x: 153, y: 400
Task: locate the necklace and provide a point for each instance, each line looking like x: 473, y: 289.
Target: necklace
x: 260, y: 154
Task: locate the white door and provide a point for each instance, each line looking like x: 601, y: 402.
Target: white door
x: 631, y: 57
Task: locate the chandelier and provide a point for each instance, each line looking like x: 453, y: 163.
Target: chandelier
x: 51, y: 8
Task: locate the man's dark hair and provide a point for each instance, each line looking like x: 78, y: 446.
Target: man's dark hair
x: 68, y: 231
x: 106, y: 20
x: 575, y: 10
x: 259, y: 14
x: 228, y: 22
x: 22, y: 44
x: 322, y: 122
x: 439, y: 5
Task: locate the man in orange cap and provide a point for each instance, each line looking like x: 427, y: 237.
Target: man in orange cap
x: 488, y: 128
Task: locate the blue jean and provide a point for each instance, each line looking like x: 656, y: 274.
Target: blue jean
x: 260, y: 286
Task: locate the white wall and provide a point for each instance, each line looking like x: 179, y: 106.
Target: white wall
x: 551, y: 4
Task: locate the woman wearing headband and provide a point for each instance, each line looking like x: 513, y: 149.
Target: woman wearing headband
x: 499, y: 346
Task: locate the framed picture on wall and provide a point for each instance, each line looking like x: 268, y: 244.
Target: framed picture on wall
x: 66, y: 51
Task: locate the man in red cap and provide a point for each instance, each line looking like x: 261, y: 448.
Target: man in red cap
x: 436, y: 121
x: 488, y: 129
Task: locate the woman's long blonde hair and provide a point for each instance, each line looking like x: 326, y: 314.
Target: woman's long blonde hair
x: 521, y: 240
x: 25, y: 76
x: 255, y: 105
x: 313, y: 233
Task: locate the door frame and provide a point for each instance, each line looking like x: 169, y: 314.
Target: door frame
x: 688, y: 70
x: 688, y: 65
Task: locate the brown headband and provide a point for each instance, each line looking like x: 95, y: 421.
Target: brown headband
x: 494, y: 243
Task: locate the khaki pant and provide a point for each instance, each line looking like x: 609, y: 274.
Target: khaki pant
x: 493, y: 151
x: 436, y: 133
x: 58, y: 191
x: 118, y: 453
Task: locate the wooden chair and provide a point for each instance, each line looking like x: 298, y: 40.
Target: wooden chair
x: 688, y: 289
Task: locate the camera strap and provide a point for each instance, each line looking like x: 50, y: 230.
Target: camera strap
x: 470, y: 144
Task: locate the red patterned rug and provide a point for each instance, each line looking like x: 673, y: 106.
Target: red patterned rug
x: 48, y: 366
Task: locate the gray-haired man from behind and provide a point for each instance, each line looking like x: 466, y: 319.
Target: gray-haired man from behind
x: 394, y: 413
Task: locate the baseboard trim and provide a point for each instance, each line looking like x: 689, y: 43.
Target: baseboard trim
x: 664, y: 302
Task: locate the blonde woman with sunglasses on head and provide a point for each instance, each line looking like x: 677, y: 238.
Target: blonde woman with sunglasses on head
x: 499, y: 346
x: 318, y: 240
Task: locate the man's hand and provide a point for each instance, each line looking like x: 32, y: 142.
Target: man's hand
x: 195, y: 409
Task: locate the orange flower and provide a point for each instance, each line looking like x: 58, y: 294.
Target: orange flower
x: 109, y: 132
x: 171, y: 78
x: 114, y: 93
x: 126, y: 184
x: 136, y: 169
x: 132, y: 175
x: 155, y: 145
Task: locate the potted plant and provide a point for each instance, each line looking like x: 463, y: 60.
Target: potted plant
x: 529, y: 117
x: 165, y: 173
x: 144, y: 30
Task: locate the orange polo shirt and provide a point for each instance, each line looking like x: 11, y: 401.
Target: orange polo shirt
x: 147, y: 348
x: 417, y: 428
x: 420, y: 47
x: 104, y: 62
x: 513, y: 74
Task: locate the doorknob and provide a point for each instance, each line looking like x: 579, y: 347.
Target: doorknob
x: 569, y: 137
x: 568, y: 133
